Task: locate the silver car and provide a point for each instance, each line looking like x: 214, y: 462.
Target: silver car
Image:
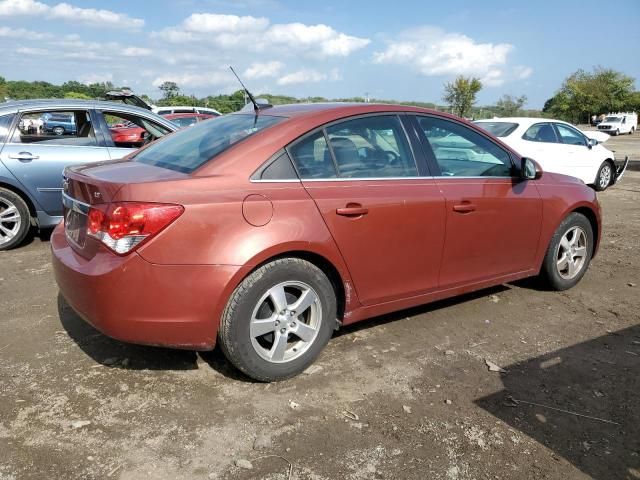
x: 39, y: 138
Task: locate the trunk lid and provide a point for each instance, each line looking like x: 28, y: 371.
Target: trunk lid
x: 99, y: 183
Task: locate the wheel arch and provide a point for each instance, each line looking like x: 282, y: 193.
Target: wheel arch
x: 595, y: 225
x: 22, y: 194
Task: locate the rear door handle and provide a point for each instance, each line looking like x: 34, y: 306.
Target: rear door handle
x: 352, y: 210
x: 464, y: 208
x: 24, y: 156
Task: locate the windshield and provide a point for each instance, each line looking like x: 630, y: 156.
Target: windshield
x: 188, y: 149
x: 499, y: 129
x: 612, y: 119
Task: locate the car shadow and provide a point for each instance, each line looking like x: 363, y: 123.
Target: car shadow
x: 582, y: 402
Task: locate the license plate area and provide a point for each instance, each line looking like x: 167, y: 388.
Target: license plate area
x: 75, y: 220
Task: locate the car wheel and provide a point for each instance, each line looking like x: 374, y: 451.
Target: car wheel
x: 569, y: 253
x: 278, y: 320
x: 58, y: 130
x: 14, y: 219
x: 631, y: 131
x: 604, y: 177
x: 616, y: 133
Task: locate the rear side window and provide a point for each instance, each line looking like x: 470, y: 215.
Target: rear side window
x: 5, y: 125
x: 192, y: 147
x: 540, y: 132
x: 498, y: 129
x: 313, y: 158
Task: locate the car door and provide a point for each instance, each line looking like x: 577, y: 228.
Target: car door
x: 38, y: 151
x: 386, y: 216
x: 125, y: 132
x: 581, y: 161
x: 493, y: 217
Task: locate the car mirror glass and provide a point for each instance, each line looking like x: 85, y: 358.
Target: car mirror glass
x: 529, y: 169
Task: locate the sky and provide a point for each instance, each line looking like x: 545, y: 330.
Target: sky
x: 401, y: 49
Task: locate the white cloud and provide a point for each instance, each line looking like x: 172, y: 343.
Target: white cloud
x: 136, y: 52
x: 31, y: 51
x: 522, y: 73
x: 95, y: 78
x: 65, y: 11
x: 196, y: 80
x: 256, y: 34
x: 263, y: 70
x: 302, y: 76
x: 434, y: 52
x: 23, y: 34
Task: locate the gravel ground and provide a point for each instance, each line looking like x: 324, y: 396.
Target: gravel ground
x: 406, y: 396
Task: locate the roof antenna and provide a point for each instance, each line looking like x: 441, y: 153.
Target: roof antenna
x: 256, y: 107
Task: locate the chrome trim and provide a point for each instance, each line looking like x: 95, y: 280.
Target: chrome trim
x: 76, y: 205
x: 259, y: 180
x: 49, y: 189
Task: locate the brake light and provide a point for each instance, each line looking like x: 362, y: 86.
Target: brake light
x: 124, y: 226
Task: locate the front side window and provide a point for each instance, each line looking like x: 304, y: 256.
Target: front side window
x: 5, y: 125
x: 462, y: 152
x: 540, y: 132
x: 55, y: 128
x: 370, y: 147
x: 132, y: 131
x: 190, y: 148
x: 570, y: 135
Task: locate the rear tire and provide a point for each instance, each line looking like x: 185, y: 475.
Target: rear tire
x: 569, y: 253
x: 278, y: 320
x: 15, y: 219
x: 604, y: 176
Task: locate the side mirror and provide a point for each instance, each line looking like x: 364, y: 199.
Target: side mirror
x: 591, y: 142
x: 529, y: 169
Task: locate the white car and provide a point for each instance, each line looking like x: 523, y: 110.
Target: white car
x: 559, y: 147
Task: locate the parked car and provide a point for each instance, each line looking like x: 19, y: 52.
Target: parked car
x: 619, y: 123
x: 32, y: 159
x: 266, y: 232
x: 559, y: 147
x: 187, y: 119
x: 186, y: 109
x: 59, y: 124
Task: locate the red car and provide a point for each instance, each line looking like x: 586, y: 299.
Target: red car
x: 188, y: 119
x: 128, y: 135
x: 265, y: 232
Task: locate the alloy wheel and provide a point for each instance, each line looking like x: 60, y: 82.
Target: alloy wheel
x: 571, y: 255
x: 285, y: 322
x: 10, y: 221
x: 605, y: 176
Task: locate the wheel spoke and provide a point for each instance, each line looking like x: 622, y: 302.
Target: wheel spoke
x: 564, y: 243
x: 262, y: 327
x: 305, y: 301
x: 6, y: 231
x: 278, y: 297
x: 305, y: 332
x: 572, y: 268
x: 8, y: 212
x: 562, y: 262
x: 279, y: 347
x: 580, y: 252
x: 575, y: 237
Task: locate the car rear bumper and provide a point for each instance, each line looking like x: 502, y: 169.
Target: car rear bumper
x: 132, y: 300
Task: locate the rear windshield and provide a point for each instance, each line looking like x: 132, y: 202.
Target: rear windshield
x: 188, y: 149
x: 499, y: 129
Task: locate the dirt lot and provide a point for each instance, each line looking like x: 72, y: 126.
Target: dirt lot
x: 404, y: 396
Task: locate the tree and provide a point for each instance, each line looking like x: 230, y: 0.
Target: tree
x: 461, y: 94
x: 169, y: 89
x: 583, y: 94
x: 509, y: 106
x: 4, y: 91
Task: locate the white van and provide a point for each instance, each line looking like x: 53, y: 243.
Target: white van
x: 619, y: 123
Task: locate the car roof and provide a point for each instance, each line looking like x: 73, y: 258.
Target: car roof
x: 520, y: 120
x: 15, y: 105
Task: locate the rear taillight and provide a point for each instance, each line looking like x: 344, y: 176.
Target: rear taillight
x: 123, y: 226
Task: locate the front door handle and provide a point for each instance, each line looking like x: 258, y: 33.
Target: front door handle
x: 24, y: 156
x: 352, y: 210
x: 464, y: 208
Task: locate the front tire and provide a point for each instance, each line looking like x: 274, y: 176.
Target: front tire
x: 604, y: 176
x: 15, y: 219
x: 569, y: 253
x: 278, y: 320
x: 58, y: 131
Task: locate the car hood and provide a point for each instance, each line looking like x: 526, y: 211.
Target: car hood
x: 599, y: 137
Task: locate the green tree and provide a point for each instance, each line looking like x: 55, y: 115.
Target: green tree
x: 460, y: 94
x: 4, y: 91
x: 169, y: 90
x: 78, y: 95
x: 510, y: 106
x: 583, y: 94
